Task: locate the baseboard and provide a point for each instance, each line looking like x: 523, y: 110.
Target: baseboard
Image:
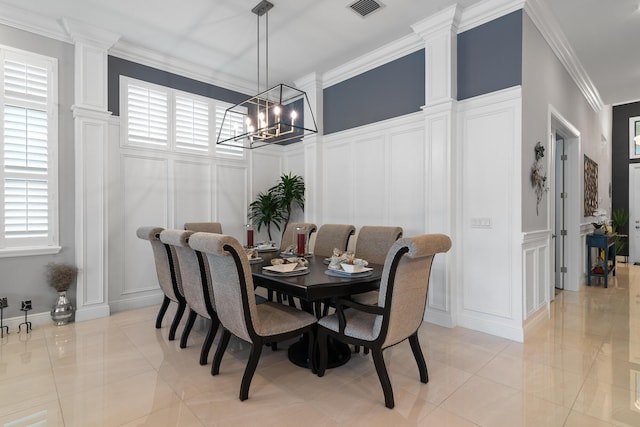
x: 439, y: 318
x: 36, y: 319
x: 91, y: 312
x: 138, y: 302
x: 490, y: 327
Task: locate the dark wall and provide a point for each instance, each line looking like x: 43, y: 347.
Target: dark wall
x: 620, y: 156
x: 490, y: 56
x: 118, y: 67
x: 390, y: 90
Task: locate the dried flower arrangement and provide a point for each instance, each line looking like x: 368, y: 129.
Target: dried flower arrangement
x: 61, y: 276
x: 538, y: 179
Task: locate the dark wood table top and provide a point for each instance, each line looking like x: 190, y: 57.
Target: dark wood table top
x: 316, y: 285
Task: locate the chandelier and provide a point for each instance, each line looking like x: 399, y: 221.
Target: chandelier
x: 275, y: 116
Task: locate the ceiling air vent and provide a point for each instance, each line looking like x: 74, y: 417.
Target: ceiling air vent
x: 365, y: 7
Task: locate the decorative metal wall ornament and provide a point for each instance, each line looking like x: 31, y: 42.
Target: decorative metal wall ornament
x: 3, y: 305
x: 538, y: 178
x: 25, y: 306
x: 590, y: 186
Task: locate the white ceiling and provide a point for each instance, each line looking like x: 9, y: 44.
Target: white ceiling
x: 317, y: 35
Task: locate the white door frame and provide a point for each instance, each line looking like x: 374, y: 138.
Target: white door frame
x: 573, y: 148
x: 634, y: 216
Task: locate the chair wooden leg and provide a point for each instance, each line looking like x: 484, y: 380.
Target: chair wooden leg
x: 222, y: 347
x: 252, y: 363
x: 208, y: 342
x: 383, y: 376
x: 176, y: 320
x: 322, y: 352
x: 187, y: 328
x: 163, y: 309
x: 417, y: 353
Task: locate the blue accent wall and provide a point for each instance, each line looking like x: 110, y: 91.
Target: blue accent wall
x: 118, y: 67
x: 490, y: 56
x: 390, y: 90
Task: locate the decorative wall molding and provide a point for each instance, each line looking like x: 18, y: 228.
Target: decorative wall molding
x: 34, y: 23
x: 551, y: 30
x: 486, y: 11
x: 387, y: 53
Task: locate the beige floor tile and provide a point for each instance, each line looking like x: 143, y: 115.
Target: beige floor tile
x: 46, y: 414
x: 609, y: 403
x: 117, y: 403
x: 578, y: 368
x: 176, y: 415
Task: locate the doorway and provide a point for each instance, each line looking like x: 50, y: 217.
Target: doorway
x: 634, y: 213
x: 565, y: 252
x: 560, y: 229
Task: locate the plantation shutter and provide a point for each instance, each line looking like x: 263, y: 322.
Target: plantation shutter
x: 25, y: 122
x: 192, y: 124
x: 147, y: 118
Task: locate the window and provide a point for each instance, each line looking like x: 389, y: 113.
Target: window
x: 634, y: 137
x: 28, y: 146
x: 168, y: 119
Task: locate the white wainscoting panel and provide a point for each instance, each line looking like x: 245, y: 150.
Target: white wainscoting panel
x: 145, y: 201
x: 231, y: 186
x: 374, y: 175
x: 536, y: 273
x: 490, y: 260
x: 193, y: 189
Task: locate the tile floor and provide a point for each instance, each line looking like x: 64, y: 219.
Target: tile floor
x: 580, y: 368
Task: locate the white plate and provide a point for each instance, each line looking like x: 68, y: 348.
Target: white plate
x: 292, y: 255
x: 284, y: 268
x: 341, y: 273
x: 297, y: 272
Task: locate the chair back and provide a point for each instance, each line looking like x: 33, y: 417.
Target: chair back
x: 167, y: 266
x: 289, y: 237
x: 232, y: 282
x: 206, y: 227
x: 330, y: 236
x: 194, y: 272
x: 373, y: 242
x: 404, y: 286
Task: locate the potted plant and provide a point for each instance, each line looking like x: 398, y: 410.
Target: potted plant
x: 265, y: 210
x: 290, y: 193
x: 60, y: 277
x: 619, y: 219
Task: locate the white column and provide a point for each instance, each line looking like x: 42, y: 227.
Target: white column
x: 91, y: 119
x: 439, y: 33
x: 312, y: 86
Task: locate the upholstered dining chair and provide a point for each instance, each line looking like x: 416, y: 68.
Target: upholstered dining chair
x: 373, y: 244
x: 236, y: 306
x: 398, y: 314
x: 168, y: 272
x: 331, y: 236
x: 206, y: 227
x: 288, y: 235
x: 196, y: 285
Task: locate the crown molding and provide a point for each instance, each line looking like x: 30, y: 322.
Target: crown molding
x: 70, y: 31
x: 33, y: 23
x: 550, y: 28
x: 143, y: 56
x: 486, y: 11
x: 387, y: 53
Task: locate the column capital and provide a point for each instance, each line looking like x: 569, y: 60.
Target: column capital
x: 443, y: 21
x: 81, y: 32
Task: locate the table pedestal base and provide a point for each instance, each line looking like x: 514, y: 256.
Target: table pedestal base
x: 338, y: 353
